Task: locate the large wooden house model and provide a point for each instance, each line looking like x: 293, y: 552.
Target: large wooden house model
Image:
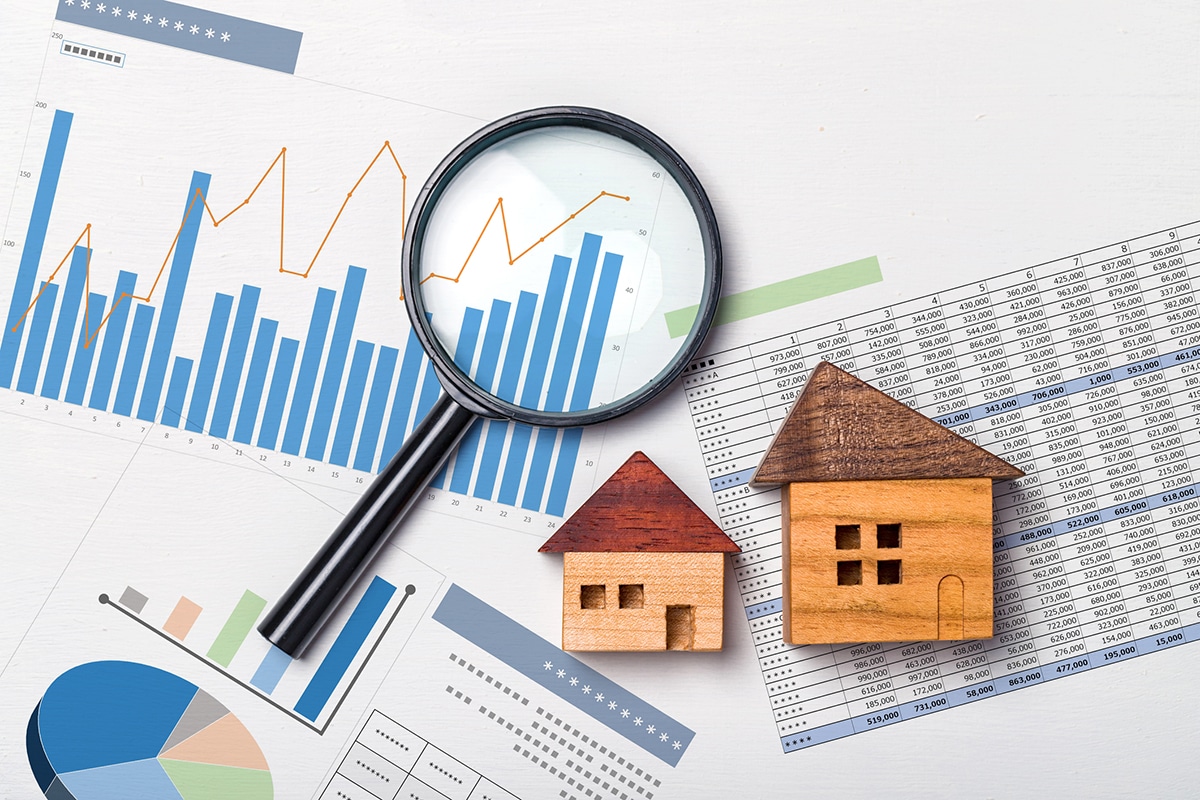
x: 887, y: 519
x: 643, y: 567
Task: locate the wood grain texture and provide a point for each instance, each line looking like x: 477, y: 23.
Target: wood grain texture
x: 945, y: 530
x: 842, y: 429
x: 639, y: 509
x: 695, y: 580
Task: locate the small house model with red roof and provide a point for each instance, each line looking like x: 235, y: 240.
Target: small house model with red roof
x: 643, y: 567
x: 887, y: 519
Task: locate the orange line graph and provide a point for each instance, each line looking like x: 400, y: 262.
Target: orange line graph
x: 508, y: 242
x: 280, y: 161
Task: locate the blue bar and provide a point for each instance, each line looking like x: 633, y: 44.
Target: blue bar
x: 35, y: 241
x: 210, y: 357
x: 543, y: 342
x: 539, y: 467
x: 177, y: 391
x: 181, y: 265
x: 285, y: 362
x: 235, y: 359
x: 593, y: 342
x: 349, y: 640
x: 402, y: 403
x: 431, y: 389
x: 485, y: 376
x: 331, y: 381
x: 464, y: 356
x: 220, y: 35
x: 110, y: 353
x: 514, y: 362
x: 585, y: 381
x: 356, y: 384
x: 85, y: 349
x: 31, y: 365
x: 271, y: 669
x: 131, y: 370
x: 310, y: 362
x: 256, y: 378
x: 514, y: 468
x: 564, y: 470
x: 577, y: 308
x: 372, y: 425
x: 64, y: 331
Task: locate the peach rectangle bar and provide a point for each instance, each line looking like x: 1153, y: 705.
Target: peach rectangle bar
x: 182, y: 618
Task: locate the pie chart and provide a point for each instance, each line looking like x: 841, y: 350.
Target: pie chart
x: 116, y: 729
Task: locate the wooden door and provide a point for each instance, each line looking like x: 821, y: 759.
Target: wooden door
x: 950, y: 607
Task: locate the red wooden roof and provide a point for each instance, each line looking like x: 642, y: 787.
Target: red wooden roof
x: 639, y: 509
x: 842, y: 429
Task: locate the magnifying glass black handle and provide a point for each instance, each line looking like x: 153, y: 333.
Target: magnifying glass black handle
x: 299, y: 614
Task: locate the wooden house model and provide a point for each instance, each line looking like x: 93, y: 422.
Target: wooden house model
x: 887, y: 519
x: 643, y: 567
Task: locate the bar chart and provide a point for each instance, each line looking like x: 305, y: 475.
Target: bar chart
x: 320, y: 393
x: 310, y: 691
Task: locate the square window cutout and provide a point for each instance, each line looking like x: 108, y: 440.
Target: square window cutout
x: 846, y: 537
x: 887, y: 536
x: 591, y: 596
x: 889, y: 572
x: 849, y: 573
x: 632, y: 595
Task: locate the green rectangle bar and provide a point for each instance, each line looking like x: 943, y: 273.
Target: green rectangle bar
x: 775, y: 296
x: 236, y: 628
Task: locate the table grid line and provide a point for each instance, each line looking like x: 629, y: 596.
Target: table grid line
x: 1084, y: 372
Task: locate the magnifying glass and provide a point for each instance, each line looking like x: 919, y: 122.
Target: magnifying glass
x: 542, y: 258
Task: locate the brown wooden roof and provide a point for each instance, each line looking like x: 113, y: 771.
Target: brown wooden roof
x: 842, y: 429
x: 639, y: 509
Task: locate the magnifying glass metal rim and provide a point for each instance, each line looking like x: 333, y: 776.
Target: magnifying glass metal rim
x: 453, y: 379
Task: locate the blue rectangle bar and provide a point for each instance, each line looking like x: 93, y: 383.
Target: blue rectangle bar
x: 86, y: 346
x: 271, y: 669
x: 356, y: 384
x: 543, y: 340
x: 621, y: 711
x: 345, y: 647
x: 235, y: 360
x: 514, y: 363
x: 210, y: 357
x: 181, y: 265
x: 31, y: 364
x: 514, y: 466
x: 285, y: 363
x: 402, y: 403
x: 35, y: 241
x: 485, y: 377
x: 593, y: 341
x: 135, y: 354
x: 306, y: 379
x: 194, y: 29
x: 181, y: 373
x: 368, y: 439
x: 464, y: 356
x: 335, y: 365
x: 577, y: 309
x: 114, y: 337
x: 68, y: 319
x: 256, y: 379
x: 564, y: 471
x: 539, y: 467
x: 431, y: 389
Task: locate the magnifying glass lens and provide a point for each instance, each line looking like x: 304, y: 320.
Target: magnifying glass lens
x: 548, y: 267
